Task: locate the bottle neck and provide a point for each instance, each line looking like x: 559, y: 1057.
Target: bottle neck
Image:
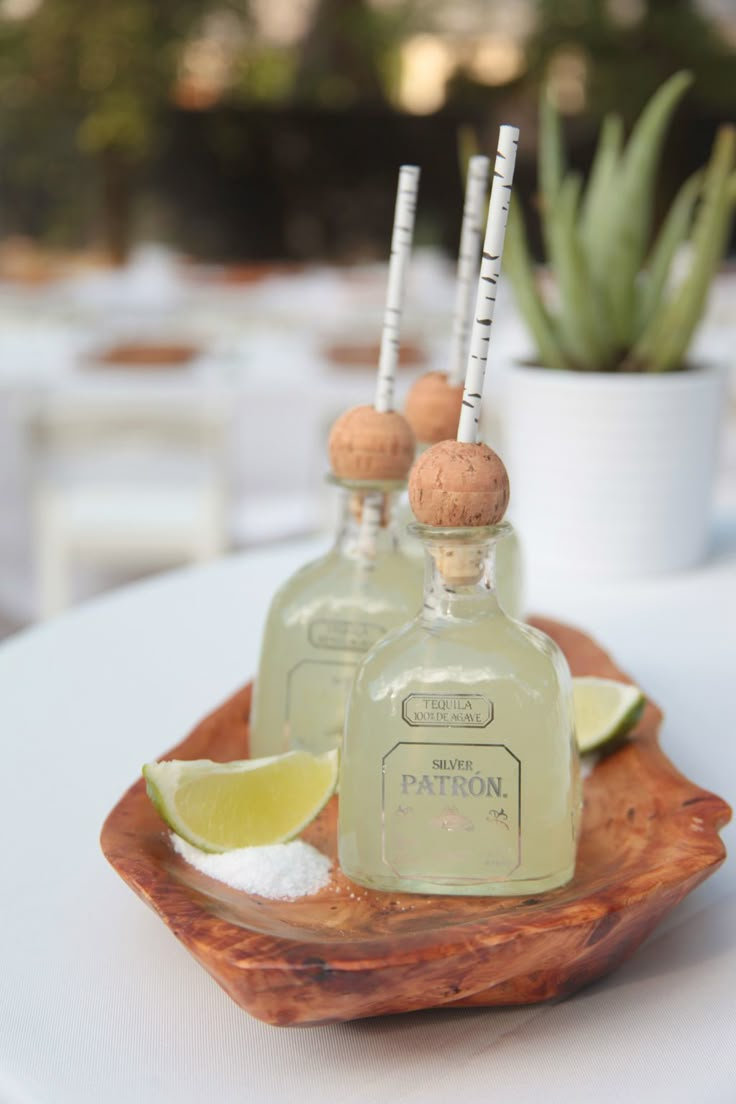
x: 367, y: 526
x: 460, y: 572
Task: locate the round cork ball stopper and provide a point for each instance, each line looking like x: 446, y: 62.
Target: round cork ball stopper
x: 433, y: 408
x: 458, y: 484
x: 369, y: 444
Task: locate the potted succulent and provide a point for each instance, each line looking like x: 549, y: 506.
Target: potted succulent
x: 612, y: 435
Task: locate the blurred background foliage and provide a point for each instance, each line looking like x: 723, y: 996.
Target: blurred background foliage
x: 272, y: 128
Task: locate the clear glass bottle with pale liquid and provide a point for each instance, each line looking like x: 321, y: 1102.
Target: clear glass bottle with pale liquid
x: 459, y: 771
x: 324, y: 619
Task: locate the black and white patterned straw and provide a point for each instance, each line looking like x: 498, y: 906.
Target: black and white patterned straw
x: 490, y: 273
x: 468, y: 260
x: 401, y: 242
x: 402, y: 237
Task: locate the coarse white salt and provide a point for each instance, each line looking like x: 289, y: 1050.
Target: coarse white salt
x: 282, y: 871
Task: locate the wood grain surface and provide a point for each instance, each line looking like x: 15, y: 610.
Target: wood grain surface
x: 649, y: 836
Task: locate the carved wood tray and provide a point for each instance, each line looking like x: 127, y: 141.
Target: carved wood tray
x: 649, y: 836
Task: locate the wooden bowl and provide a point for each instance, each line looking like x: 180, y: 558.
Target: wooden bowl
x: 239, y: 275
x: 649, y: 836
x: 347, y: 355
x: 135, y: 354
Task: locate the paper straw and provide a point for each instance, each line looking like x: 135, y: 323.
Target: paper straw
x: 398, y: 267
x: 490, y: 273
x: 471, y: 236
x: 401, y: 239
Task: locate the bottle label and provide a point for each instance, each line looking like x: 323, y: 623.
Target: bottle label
x: 351, y: 636
x: 451, y: 811
x: 447, y: 711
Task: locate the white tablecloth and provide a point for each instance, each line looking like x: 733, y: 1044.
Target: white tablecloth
x: 98, y: 1001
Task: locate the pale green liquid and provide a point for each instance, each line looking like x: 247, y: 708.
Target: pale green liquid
x: 437, y: 797
x: 320, y: 624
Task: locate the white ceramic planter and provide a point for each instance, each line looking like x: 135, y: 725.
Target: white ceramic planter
x: 611, y: 475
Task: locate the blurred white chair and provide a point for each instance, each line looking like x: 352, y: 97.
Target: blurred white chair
x: 125, y: 484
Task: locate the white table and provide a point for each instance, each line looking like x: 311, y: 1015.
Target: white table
x: 99, y: 1003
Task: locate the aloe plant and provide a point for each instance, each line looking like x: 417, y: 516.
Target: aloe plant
x: 616, y: 303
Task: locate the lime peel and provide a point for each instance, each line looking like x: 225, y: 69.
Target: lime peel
x: 606, y: 710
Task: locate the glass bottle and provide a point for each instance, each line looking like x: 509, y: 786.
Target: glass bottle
x: 509, y: 562
x: 459, y: 771
x: 323, y: 620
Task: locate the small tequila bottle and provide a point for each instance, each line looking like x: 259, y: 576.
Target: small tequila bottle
x: 323, y: 620
x: 459, y: 770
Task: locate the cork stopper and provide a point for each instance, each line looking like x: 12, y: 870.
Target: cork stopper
x: 366, y: 444
x: 456, y: 484
x: 433, y: 408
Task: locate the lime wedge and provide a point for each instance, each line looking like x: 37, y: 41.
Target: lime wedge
x: 246, y: 803
x: 605, y: 710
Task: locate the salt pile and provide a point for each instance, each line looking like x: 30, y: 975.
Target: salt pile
x: 282, y: 871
